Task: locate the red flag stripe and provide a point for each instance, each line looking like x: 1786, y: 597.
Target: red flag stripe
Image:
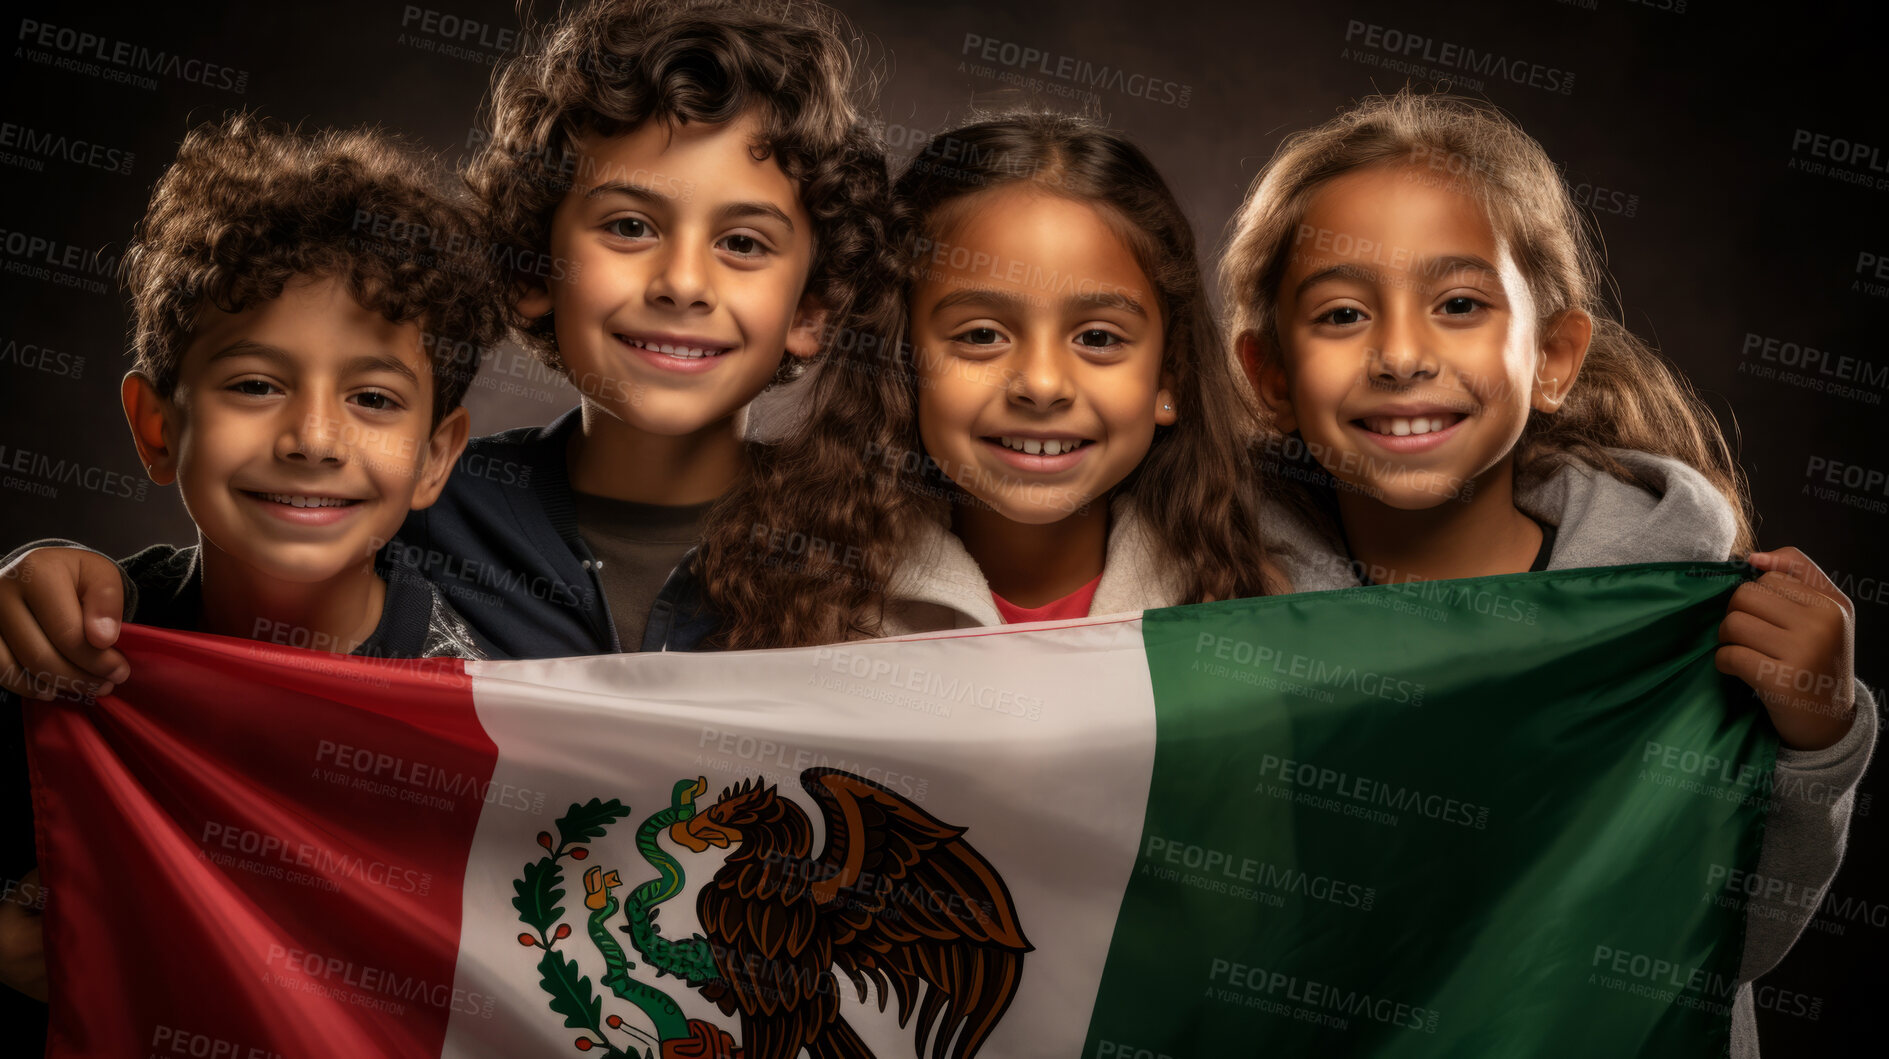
x: 190, y: 868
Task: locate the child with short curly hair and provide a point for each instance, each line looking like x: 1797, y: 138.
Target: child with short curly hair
x: 301, y: 305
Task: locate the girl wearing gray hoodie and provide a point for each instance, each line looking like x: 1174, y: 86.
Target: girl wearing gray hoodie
x: 1418, y: 308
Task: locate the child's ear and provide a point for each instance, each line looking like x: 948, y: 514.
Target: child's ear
x: 152, y: 427
x: 1265, y: 370
x: 807, y: 333
x: 1165, y: 412
x: 533, y: 300
x: 1563, y: 348
x: 442, y: 455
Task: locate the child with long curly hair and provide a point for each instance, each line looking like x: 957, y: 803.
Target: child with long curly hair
x: 1058, y: 434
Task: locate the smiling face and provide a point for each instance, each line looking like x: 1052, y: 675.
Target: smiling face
x: 1039, y: 354
x: 300, y: 431
x: 1411, y: 355
x: 684, y: 263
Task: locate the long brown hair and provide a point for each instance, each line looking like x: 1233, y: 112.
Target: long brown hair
x: 1627, y: 396
x: 803, y: 552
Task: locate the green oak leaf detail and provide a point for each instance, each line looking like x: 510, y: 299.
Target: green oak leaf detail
x: 589, y: 820
x: 538, y: 895
x: 571, y: 995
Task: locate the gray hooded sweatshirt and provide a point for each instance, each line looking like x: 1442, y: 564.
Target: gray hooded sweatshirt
x: 1602, y: 521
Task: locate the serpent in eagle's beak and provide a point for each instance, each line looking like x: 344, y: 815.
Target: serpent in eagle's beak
x: 693, y: 830
x: 698, y: 833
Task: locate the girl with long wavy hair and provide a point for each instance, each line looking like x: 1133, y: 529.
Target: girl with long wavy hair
x: 1421, y: 310
x: 1048, y: 426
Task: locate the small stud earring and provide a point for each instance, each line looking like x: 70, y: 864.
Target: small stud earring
x: 1167, y: 408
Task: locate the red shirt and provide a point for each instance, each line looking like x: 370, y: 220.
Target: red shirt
x: 1073, y: 605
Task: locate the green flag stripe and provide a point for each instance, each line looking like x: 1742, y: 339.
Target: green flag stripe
x: 1470, y: 817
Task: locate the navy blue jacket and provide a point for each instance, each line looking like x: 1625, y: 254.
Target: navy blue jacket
x: 502, y: 546
x: 680, y: 619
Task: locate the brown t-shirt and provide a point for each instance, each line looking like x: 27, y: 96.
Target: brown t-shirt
x: 636, y: 546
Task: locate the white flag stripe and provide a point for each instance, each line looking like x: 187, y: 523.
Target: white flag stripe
x: 1040, y: 742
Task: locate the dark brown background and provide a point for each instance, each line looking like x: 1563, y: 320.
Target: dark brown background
x: 1680, y: 129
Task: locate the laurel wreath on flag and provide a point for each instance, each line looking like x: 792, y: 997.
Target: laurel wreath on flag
x: 539, y: 903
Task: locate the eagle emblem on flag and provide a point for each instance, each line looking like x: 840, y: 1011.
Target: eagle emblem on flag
x: 896, y: 900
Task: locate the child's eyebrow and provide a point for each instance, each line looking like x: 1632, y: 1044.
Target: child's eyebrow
x: 1429, y: 267
x: 1107, y: 300
x: 1014, y: 302
x: 386, y: 362
x: 383, y: 362
x: 731, y: 211
x: 998, y: 299
x: 737, y: 210
x: 622, y: 187
x: 1339, y: 271
x: 247, y: 348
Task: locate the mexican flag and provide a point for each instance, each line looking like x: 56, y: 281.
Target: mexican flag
x: 1481, y: 817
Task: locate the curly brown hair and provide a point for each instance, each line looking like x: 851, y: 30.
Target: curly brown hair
x: 1627, y: 396
x: 248, y: 206
x: 608, y: 66
x: 855, y: 478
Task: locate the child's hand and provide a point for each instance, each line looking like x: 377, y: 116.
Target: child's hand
x: 23, y: 938
x: 1791, y: 636
x: 60, y: 609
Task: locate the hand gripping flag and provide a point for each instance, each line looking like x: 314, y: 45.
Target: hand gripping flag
x: 1482, y: 817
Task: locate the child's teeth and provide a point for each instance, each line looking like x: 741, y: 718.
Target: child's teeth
x: 1403, y: 426
x: 672, y: 350
x: 1039, y: 447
